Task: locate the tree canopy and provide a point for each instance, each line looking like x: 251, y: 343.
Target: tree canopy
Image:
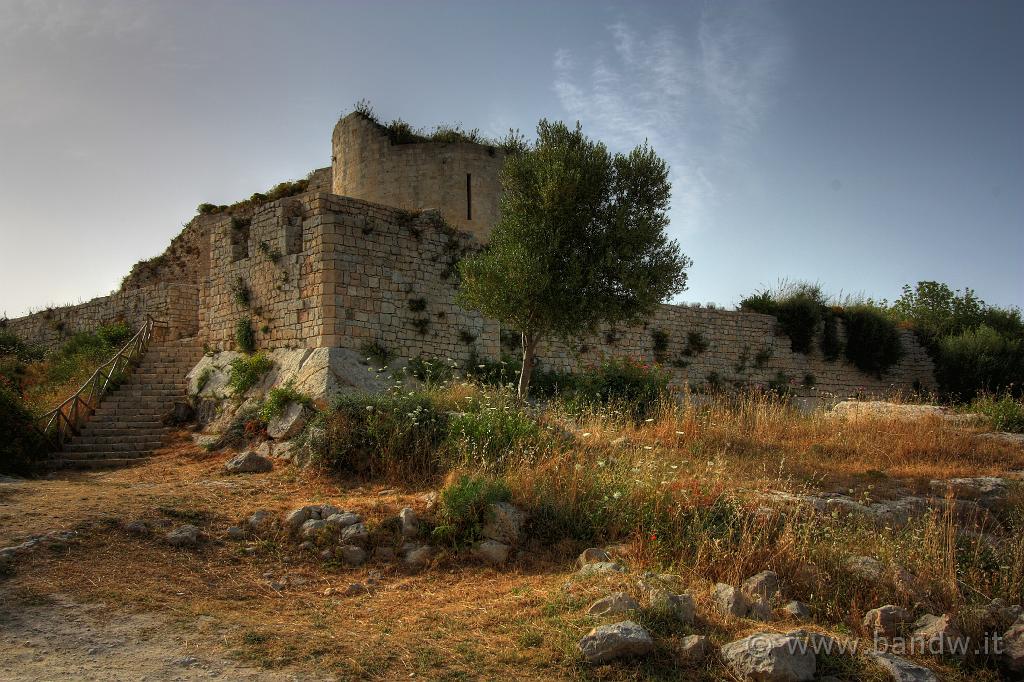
x: 581, y: 240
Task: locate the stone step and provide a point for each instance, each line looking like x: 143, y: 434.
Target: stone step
x: 81, y: 445
x: 122, y: 434
x: 92, y: 463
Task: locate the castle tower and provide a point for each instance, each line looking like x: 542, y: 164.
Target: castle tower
x: 460, y: 179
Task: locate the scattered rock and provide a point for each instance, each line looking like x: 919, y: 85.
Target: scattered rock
x: 600, y: 568
x: 593, y: 555
x: 137, y: 528
x: 410, y: 524
x: 356, y: 534
x: 886, y: 621
x: 613, y: 605
x: 729, y: 601
x: 491, y: 551
x: 679, y: 606
x: 1013, y: 640
x: 352, y: 555
x: 184, y: 536
x: 311, y: 528
x: 988, y: 491
x: 289, y: 423
x: 294, y: 519
x: 694, y: 647
x: 236, y: 533
x: 797, y: 610
x: 764, y: 585
x: 865, y: 567
x: 248, y: 463
x: 328, y: 510
x: 900, y: 669
x: 770, y: 657
x: 937, y: 633
x: 619, y: 640
x: 384, y: 554
x: 261, y: 521
x: 326, y: 555
x: 419, y: 555
x: 286, y: 451
x: 343, y: 519
x: 506, y: 523
x: 354, y: 589
x: 264, y: 449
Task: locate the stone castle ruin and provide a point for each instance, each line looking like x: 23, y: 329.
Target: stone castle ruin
x: 367, y: 253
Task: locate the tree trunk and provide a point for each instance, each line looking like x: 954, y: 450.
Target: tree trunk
x: 529, y: 347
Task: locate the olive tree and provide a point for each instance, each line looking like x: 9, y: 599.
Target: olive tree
x: 581, y: 241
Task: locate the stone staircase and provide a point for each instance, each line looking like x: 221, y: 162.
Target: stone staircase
x: 127, y: 425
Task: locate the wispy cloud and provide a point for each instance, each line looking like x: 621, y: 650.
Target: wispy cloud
x: 697, y: 96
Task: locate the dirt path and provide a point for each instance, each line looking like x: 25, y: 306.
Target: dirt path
x: 61, y: 639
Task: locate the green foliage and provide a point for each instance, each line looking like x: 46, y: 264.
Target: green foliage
x: 281, y: 190
x: 695, y: 344
x: 1005, y: 412
x: 417, y: 305
x: 622, y: 384
x: 659, y: 344
x: 20, y: 444
x: 798, y: 307
x: 431, y: 371
x: 376, y: 352
x: 278, y: 398
x: 246, y: 371
x: 421, y: 325
x: 271, y: 253
x: 760, y: 302
x: 831, y: 346
x: 203, y: 379
x: 245, y: 337
x: 872, y: 341
x: 581, y: 240
x: 240, y: 292
x: 85, y: 350
x: 464, y: 507
x: 979, y: 360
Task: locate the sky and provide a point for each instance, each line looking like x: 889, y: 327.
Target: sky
x: 859, y: 144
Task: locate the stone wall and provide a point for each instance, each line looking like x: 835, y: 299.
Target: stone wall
x: 741, y: 348
x: 174, y: 306
x: 323, y: 270
x: 420, y: 175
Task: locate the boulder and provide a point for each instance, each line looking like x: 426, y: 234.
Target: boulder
x: 694, y: 648
x: 235, y: 533
x: 886, y: 621
x: 764, y: 585
x: 328, y: 510
x: 593, y: 555
x: 900, y: 669
x: 137, y: 528
x: 600, y: 568
x: 505, y: 524
x: 351, y: 555
x: 938, y: 634
x: 492, y: 552
x: 988, y: 491
x: 410, y: 524
x: 289, y: 423
x: 184, y: 536
x: 248, y: 463
x: 613, y: 605
x: 678, y: 606
x: 865, y: 567
x: 261, y: 521
x: 312, y: 527
x: 343, y: 519
x: 797, y: 610
x: 770, y: 657
x: 418, y: 555
x: 729, y: 601
x: 1013, y: 641
x: 619, y: 640
x: 356, y: 534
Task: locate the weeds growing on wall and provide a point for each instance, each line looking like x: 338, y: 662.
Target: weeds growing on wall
x: 240, y: 293
x: 245, y: 337
x: 872, y: 341
x: 246, y: 371
x: 431, y: 371
x: 376, y: 352
x: 278, y: 398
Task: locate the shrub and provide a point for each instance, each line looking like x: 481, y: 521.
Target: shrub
x: 20, y: 443
x: 375, y: 351
x: 872, y: 341
x: 240, y: 292
x: 979, y: 360
x: 1005, y: 412
x: 831, y: 346
x: 278, y: 398
x: 417, y: 305
x: 621, y: 384
x: 431, y: 371
x: 799, y: 316
x: 659, y: 344
x: 761, y: 302
x: 245, y: 337
x: 246, y: 371
x: 464, y: 507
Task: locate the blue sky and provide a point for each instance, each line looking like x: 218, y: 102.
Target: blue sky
x: 859, y: 144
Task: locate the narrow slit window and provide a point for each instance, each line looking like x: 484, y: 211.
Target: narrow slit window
x: 469, y: 196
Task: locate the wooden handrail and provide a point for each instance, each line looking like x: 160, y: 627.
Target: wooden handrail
x: 64, y: 421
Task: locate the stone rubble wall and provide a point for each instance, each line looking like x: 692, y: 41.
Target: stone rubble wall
x: 174, y: 306
x: 742, y: 348
x: 418, y: 175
